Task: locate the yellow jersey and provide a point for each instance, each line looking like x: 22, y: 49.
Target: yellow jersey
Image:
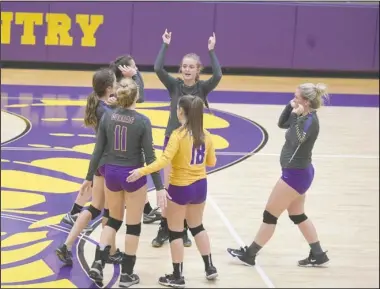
x: 188, y: 164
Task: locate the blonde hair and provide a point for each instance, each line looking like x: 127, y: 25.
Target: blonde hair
x: 127, y: 92
x: 197, y: 59
x: 315, y: 93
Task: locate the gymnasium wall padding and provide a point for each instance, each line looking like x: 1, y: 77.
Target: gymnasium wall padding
x: 335, y: 37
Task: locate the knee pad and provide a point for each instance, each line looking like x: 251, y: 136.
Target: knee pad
x: 113, y: 223
x: 298, y: 219
x: 173, y: 235
x: 195, y: 231
x: 94, y: 212
x: 268, y: 218
x: 134, y: 230
x: 106, y: 213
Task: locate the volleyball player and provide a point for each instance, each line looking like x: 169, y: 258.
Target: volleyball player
x: 301, y: 121
x: 189, y: 84
x: 95, y: 107
x: 123, y: 136
x: 103, y: 84
x: 125, y: 66
x: 189, y: 150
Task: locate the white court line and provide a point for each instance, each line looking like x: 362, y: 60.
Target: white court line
x: 237, y: 238
x: 315, y: 156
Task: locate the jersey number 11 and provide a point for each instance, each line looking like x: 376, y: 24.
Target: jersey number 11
x: 120, y: 138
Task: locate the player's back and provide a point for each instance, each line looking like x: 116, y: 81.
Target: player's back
x: 125, y: 130
x: 189, y: 163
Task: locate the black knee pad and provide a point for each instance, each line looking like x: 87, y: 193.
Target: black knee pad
x: 173, y: 235
x: 195, y: 231
x: 298, y: 219
x: 134, y: 230
x: 268, y: 218
x: 106, y: 213
x: 113, y: 223
x: 94, y: 212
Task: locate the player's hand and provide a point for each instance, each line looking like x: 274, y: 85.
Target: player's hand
x: 134, y: 176
x: 112, y: 100
x: 166, y: 37
x: 86, y: 185
x: 299, y: 109
x: 212, y: 41
x: 162, y: 198
x: 127, y: 71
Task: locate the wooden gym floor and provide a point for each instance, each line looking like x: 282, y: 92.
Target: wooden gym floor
x: 45, y: 153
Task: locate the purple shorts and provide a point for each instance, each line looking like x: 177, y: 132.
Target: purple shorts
x: 195, y: 193
x: 100, y: 171
x: 299, y: 179
x: 166, y: 140
x: 115, y: 179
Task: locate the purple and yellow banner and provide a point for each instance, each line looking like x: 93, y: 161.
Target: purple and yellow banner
x: 262, y: 35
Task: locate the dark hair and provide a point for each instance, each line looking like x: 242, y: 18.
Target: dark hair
x: 127, y: 92
x: 193, y: 108
x: 101, y: 80
x: 121, y: 60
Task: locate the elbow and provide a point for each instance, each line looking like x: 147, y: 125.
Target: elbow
x: 211, y: 164
x: 156, y: 68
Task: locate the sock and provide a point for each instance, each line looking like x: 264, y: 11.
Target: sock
x: 316, y: 248
x: 128, y: 264
x: 76, y: 209
x: 164, y: 223
x: 148, y: 208
x: 68, y: 247
x: 177, y: 272
x: 208, y: 261
x: 254, y: 249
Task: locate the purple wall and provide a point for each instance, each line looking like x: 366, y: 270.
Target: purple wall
x: 376, y: 56
x: 262, y: 35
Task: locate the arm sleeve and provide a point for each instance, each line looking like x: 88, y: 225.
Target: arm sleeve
x: 150, y: 156
x: 301, y: 130
x: 162, y: 74
x: 101, y: 140
x: 140, y: 83
x: 283, y: 121
x: 211, y: 155
x: 212, y: 82
x: 166, y: 157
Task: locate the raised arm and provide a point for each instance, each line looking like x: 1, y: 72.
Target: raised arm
x: 166, y: 157
x: 150, y: 156
x: 210, y: 84
x: 284, y: 121
x: 101, y: 141
x: 301, y: 130
x: 162, y: 74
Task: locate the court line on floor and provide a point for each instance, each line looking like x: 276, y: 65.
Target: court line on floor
x: 315, y: 156
x: 237, y: 238
x: 57, y: 228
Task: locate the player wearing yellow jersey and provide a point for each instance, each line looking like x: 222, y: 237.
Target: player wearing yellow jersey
x: 189, y: 151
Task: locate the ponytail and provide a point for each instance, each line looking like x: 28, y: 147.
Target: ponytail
x: 195, y: 122
x: 90, y: 119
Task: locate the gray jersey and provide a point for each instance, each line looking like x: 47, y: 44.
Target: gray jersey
x: 299, y: 138
x: 177, y: 88
x: 100, y: 110
x: 140, y: 83
x: 124, y: 138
